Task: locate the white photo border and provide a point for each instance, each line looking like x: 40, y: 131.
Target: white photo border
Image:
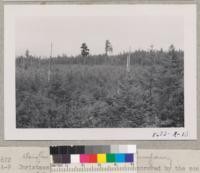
x: 189, y: 132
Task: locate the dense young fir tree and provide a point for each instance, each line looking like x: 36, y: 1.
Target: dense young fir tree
x: 101, y: 93
x: 171, y: 91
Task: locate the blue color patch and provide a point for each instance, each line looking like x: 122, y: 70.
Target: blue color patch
x: 119, y: 158
x: 129, y: 158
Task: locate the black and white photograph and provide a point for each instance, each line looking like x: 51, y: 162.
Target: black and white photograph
x: 99, y: 70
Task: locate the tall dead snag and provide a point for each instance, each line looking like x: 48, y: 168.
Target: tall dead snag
x: 128, y: 62
x: 49, y: 69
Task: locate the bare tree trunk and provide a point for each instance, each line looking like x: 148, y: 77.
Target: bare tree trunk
x: 128, y: 63
x: 49, y: 70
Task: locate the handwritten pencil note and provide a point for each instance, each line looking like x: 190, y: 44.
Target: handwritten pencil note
x: 24, y: 160
x: 168, y: 161
x: 37, y: 160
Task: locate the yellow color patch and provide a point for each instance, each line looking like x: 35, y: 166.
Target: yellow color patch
x: 101, y: 158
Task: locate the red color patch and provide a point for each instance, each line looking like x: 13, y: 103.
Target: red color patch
x: 93, y: 158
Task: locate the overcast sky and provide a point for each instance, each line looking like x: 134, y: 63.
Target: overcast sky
x: 67, y: 34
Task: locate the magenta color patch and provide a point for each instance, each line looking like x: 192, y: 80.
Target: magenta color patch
x: 84, y: 158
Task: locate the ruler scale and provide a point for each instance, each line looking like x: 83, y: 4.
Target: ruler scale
x: 97, y: 168
x: 94, y: 159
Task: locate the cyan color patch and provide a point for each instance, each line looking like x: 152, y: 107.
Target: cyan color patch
x: 119, y: 158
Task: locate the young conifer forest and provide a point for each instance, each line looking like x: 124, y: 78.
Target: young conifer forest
x: 134, y: 89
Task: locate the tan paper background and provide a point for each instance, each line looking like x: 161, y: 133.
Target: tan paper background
x: 37, y: 159
x: 195, y: 144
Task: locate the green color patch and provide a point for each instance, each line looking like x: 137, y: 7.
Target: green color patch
x: 110, y: 158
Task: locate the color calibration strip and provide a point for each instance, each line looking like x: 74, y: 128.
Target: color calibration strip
x: 93, y: 154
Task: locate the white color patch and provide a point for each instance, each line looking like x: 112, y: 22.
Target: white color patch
x: 75, y: 158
